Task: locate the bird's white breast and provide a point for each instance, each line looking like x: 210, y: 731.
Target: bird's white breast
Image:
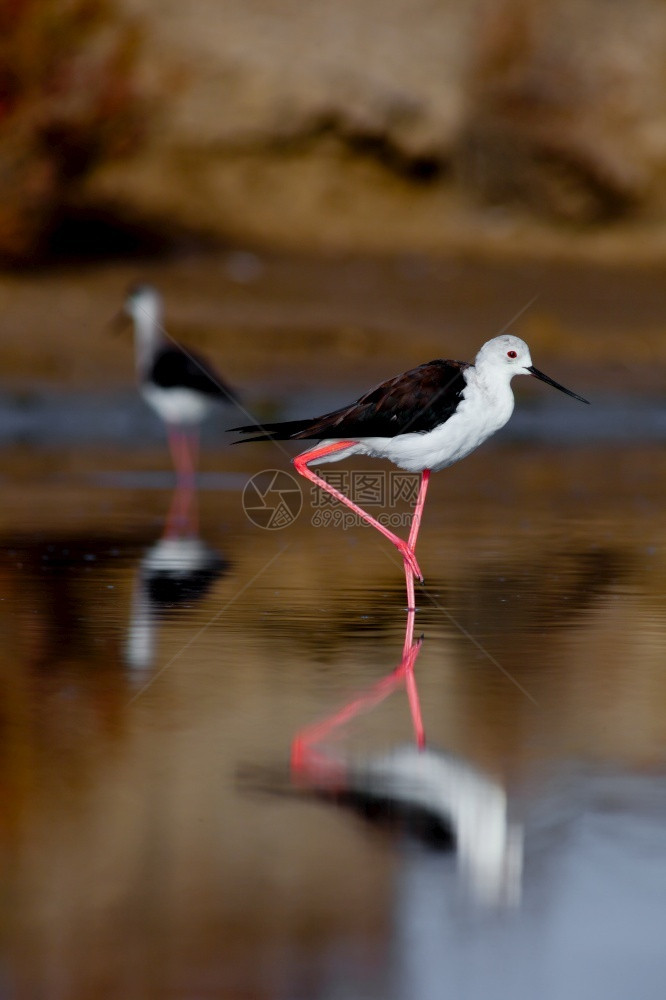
x: 177, y: 405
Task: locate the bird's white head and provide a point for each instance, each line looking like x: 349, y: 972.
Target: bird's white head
x: 143, y: 305
x: 507, y: 356
x: 143, y: 302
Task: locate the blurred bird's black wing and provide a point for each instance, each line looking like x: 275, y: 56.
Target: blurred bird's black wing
x: 175, y: 368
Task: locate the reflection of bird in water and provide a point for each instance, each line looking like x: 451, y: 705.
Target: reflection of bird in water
x: 179, y: 384
x: 434, y: 797
x: 423, y: 420
x: 175, y: 572
x: 178, y: 571
x: 437, y: 799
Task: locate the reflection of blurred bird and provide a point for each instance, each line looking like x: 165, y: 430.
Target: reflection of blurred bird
x: 442, y: 801
x: 173, y: 572
x: 176, y: 571
x: 180, y: 385
x: 423, y: 420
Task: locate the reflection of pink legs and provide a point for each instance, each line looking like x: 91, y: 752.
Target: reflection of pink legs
x: 414, y: 701
x: 304, y: 756
x: 405, y: 548
x: 182, y: 517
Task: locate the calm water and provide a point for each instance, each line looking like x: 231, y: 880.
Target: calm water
x: 179, y: 818
x: 211, y: 774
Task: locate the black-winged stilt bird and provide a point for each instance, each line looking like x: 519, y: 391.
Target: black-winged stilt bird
x: 422, y: 421
x: 179, y: 384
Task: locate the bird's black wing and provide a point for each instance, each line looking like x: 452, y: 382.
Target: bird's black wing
x: 175, y: 368
x: 416, y: 401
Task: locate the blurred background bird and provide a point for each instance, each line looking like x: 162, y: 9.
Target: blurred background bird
x: 180, y: 385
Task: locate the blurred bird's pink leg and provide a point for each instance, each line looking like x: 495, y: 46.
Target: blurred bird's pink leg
x: 192, y: 448
x: 176, y: 438
x: 184, y: 449
x: 182, y: 519
x: 176, y: 518
x: 301, y: 466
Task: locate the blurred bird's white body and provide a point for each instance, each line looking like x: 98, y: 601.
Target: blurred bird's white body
x: 176, y: 405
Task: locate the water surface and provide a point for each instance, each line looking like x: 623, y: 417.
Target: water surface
x: 213, y: 779
x: 163, y: 835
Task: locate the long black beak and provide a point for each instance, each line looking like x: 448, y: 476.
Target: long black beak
x: 544, y: 378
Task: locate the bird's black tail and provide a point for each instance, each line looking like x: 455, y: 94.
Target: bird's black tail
x: 280, y: 431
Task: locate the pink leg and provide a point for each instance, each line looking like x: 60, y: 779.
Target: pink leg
x: 409, y: 581
x: 409, y: 633
x: 173, y: 526
x: 413, y: 535
x: 176, y: 439
x: 301, y: 466
x: 418, y: 510
x: 192, y: 447
x: 184, y: 447
x: 182, y: 518
x: 192, y: 440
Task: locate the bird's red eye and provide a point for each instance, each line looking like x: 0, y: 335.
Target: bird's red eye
x: 512, y: 354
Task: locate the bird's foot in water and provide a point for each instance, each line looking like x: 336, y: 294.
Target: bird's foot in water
x: 410, y: 561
